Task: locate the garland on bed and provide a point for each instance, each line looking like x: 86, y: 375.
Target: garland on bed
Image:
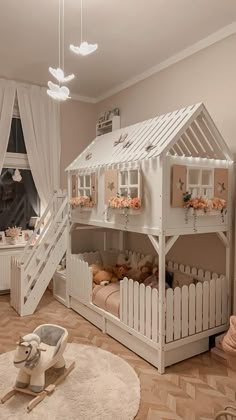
x: 202, y: 203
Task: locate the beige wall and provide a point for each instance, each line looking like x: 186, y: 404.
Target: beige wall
x: 78, y: 122
x: 209, y: 77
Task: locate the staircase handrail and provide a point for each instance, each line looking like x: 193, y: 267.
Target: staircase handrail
x: 44, y: 239
x: 60, y: 230
x: 34, y: 237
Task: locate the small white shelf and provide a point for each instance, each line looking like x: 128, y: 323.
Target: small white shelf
x: 108, y: 125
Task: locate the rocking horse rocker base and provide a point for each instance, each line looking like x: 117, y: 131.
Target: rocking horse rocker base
x: 38, y: 396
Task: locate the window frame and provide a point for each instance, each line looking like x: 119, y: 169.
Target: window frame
x: 199, y: 186
x: 129, y: 185
x: 84, y: 188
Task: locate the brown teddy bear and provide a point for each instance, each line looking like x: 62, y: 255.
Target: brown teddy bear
x: 102, y: 275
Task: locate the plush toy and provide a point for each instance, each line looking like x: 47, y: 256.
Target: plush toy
x: 121, y: 271
x: 141, y: 273
x: 104, y: 277
x: 123, y: 260
x: 153, y: 280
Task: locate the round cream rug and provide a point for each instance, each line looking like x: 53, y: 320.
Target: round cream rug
x: 101, y: 387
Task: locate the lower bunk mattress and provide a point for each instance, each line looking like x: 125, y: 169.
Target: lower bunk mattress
x: 108, y: 298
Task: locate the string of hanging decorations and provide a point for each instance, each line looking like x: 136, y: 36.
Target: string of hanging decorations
x: 59, y: 91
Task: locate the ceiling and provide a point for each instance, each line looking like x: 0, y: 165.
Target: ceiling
x: 133, y: 36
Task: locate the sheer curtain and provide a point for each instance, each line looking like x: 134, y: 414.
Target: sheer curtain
x: 7, y: 99
x: 40, y: 123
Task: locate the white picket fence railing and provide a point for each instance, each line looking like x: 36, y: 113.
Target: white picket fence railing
x: 189, y: 310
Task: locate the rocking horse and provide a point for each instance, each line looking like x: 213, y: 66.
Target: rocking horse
x: 35, y: 354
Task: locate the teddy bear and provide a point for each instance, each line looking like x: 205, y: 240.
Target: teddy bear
x: 153, y: 280
x: 121, y: 271
x: 102, y: 275
x: 141, y: 273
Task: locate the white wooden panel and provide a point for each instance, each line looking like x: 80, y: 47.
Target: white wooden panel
x: 170, y: 265
x: 205, y: 292
x: 181, y: 268
x: 131, y: 303
x: 199, y: 312
x: 142, y: 308
x: 218, y: 302
x: 136, y: 306
x: 187, y: 269
x: 121, y: 300
x: 194, y: 271
x: 125, y: 301
x: 192, y: 309
x: 185, y: 311
x: 214, y: 276
x: 148, y: 308
x: 177, y: 313
x: 207, y: 275
x: 169, y: 315
x: 176, y: 266
x: 200, y: 274
x: 224, y: 300
x: 155, y: 315
x: 212, y: 303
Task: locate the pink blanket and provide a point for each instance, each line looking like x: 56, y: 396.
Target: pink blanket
x: 108, y: 298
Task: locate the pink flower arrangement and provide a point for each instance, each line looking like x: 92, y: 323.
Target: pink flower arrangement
x: 121, y: 202
x: 206, y: 204
x: 82, y: 201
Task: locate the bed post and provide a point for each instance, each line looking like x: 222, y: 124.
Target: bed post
x: 161, y: 358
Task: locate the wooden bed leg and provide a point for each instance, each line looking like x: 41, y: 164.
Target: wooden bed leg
x: 161, y: 353
x: 7, y: 396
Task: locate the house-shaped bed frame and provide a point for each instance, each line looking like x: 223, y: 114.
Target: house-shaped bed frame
x: 156, y: 162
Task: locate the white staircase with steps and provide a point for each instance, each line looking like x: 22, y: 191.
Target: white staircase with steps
x: 32, y: 271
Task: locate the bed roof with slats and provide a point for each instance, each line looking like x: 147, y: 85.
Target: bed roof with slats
x: 187, y: 132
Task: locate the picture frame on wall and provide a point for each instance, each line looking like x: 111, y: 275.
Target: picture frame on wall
x: 2, y: 238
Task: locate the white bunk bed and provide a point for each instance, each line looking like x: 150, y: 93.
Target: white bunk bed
x: 167, y: 156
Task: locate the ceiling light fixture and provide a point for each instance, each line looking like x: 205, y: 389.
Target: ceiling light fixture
x: 85, y: 48
x: 55, y: 91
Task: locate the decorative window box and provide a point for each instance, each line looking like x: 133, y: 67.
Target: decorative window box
x: 192, y: 212
x: 124, y: 212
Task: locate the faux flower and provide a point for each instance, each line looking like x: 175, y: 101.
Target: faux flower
x: 122, y: 202
x: 202, y: 203
x: 82, y: 201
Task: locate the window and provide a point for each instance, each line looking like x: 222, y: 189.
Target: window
x: 19, y: 200
x: 84, y: 185
x: 200, y: 182
x: 129, y: 183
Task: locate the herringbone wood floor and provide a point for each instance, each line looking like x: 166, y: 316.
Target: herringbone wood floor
x: 194, y: 389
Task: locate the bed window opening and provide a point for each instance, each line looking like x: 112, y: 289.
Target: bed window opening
x: 129, y: 183
x: 200, y: 182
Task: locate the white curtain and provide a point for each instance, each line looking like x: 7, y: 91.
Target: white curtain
x: 7, y: 99
x: 41, y: 128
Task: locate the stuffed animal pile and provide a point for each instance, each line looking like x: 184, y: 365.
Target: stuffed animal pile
x: 143, y: 271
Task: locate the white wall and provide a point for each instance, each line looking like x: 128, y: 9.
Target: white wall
x: 78, y: 122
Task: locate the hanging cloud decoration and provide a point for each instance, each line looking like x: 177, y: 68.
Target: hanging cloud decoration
x: 60, y: 76
x: 58, y: 92
x: 84, y: 49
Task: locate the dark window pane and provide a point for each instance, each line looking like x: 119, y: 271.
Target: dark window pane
x: 18, y: 200
x: 16, y: 140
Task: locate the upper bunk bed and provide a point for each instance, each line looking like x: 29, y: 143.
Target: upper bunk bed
x: 172, y: 173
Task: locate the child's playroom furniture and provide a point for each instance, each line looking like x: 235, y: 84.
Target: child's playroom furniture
x: 6, y: 252
x: 165, y: 177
